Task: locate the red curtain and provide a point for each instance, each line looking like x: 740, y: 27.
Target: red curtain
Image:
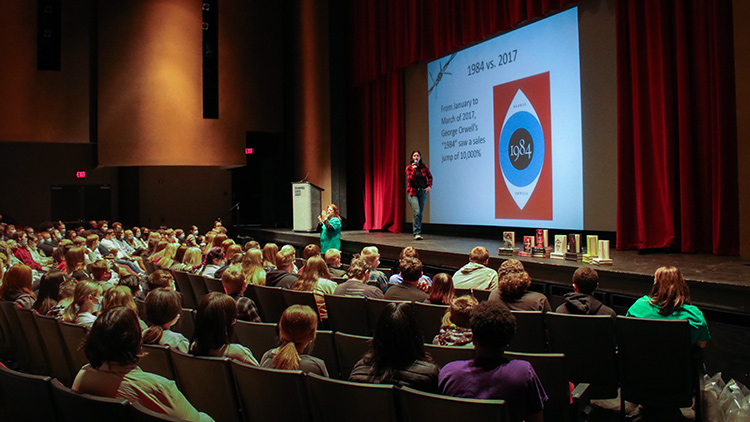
x: 677, y: 137
x: 388, y: 36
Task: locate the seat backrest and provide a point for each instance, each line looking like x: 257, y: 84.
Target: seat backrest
x: 297, y: 297
x: 54, y: 346
x: 418, y: 406
x: 75, y: 406
x: 260, y: 390
x: 271, y: 302
x: 553, y: 374
x: 429, y: 318
x: 73, y: 335
x: 25, y: 397
x: 21, y: 345
x: 530, y: 336
x: 347, y: 314
x: 259, y: 337
x: 481, y: 294
x: 445, y: 354
x: 213, y: 284
x: 364, y: 402
x: 199, y: 287
x: 141, y: 413
x: 157, y: 360
x: 350, y: 349
x: 140, y: 305
x: 656, y: 361
x: 375, y: 308
x: 325, y: 348
x: 37, y: 351
x: 186, y: 324
x: 184, y: 287
x: 588, y: 343
x: 7, y: 349
x: 195, y: 374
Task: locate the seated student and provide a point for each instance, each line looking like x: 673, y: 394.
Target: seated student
x: 411, y: 270
x: 214, y: 319
x: 490, y: 375
x: 269, y: 256
x: 234, y: 285
x: 442, y: 291
x: 49, y: 291
x: 296, y: 333
x: 513, y: 287
x: 101, y: 274
x: 670, y: 299
x: 476, y: 274
x: 456, y: 326
x: 310, y: 251
x: 315, y: 279
x: 120, y: 296
x: 234, y: 257
x: 163, y: 308
x: 214, y: 261
x: 396, y: 354
x: 357, y: 285
x: 333, y: 260
x: 282, y: 275
x: 113, y: 348
x: 64, y: 299
x: 581, y: 301
x: 87, y: 301
x: 424, y: 281
x: 16, y: 286
x: 159, y: 279
x: 377, y: 277
x: 252, y: 267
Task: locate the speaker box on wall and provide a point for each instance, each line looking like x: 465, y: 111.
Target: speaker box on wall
x: 210, y: 59
x: 48, y: 38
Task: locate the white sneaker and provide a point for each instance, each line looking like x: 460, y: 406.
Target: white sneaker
x: 417, y: 237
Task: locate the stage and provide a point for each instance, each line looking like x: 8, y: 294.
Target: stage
x: 716, y: 283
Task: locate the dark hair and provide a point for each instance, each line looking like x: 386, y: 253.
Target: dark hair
x: 421, y: 161
x: 310, y: 251
x: 442, y: 291
x: 410, y: 268
x: 162, y: 306
x: 114, y: 337
x: 131, y: 282
x: 492, y: 324
x: 586, y: 279
x: 397, y: 342
x: 214, y: 319
x: 49, y: 291
x: 159, y: 279
x: 214, y: 254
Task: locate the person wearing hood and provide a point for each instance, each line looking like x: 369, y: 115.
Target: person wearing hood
x: 581, y: 301
x: 476, y: 274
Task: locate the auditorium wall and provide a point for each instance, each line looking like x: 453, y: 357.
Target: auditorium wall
x: 742, y: 65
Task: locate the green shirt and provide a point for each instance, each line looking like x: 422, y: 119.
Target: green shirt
x: 331, y: 239
x: 642, y: 308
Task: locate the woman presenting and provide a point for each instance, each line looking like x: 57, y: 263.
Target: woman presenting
x: 419, y: 183
x: 330, y: 237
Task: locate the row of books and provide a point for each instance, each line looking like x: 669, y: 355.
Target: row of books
x: 566, y: 247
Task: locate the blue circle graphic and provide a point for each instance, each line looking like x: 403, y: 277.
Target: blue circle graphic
x: 525, y: 120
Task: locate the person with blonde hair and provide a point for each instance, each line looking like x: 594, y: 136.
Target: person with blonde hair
x: 670, y: 299
x: 296, y: 333
x: 283, y: 275
x: 356, y: 285
x: 120, y: 296
x: 269, y: 256
x: 252, y: 267
x: 191, y: 260
x: 315, y: 279
x: 16, y: 286
x: 87, y: 299
x: 333, y: 260
x: 167, y: 256
x: 377, y: 277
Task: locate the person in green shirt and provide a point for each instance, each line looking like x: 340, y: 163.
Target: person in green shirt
x: 330, y: 237
x: 669, y: 299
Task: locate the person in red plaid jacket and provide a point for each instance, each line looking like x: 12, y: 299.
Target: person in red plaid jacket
x: 418, y: 186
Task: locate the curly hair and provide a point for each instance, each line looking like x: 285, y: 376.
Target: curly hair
x: 492, y: 324
x: 512, y: 286
x: 509, y: 266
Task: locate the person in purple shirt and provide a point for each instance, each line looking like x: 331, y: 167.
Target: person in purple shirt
x: 490, y: 375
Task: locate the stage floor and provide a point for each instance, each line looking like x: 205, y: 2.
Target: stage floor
x: 718, y: 282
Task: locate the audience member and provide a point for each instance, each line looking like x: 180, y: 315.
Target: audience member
x: 101, y: 274
x: 87, y: 299
x: 333, y: 260
x: 49, y: 291
x: 159, y: 279
x: 191, y: 261
x: 315, y: 279
x: 75, y: 260
x: 214, y: 261
x: 252, y: 244
x: 396, y: 354
x: 490, y: 375
x: 411, y: 271
x: 16, y: 286
x: 133, y: 283
x: 476, y: 274
x: 442, y: 292
x: 670, y: 299
x: 357, y: 285
x: 65, y: 298
x: 120, y: 296
x: 424, y: 282
x: 234, y: 285
x: 377, y: 277
x: 456, y: 326
x: 163, y: 307
x: 21, y: 251
x: 296, y: 333
x: 513, y: 291
x: 252, y: 267
x: 282, y: 274
x: 214, y: 319
x: 269, y: 256
x: 581, y: 301
x: 113, y: 348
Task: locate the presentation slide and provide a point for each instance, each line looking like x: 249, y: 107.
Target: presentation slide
x: 505, y: 130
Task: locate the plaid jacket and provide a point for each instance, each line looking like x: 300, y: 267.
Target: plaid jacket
x: 411, y: 173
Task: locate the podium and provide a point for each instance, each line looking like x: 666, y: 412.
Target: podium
x: 305, y: 206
